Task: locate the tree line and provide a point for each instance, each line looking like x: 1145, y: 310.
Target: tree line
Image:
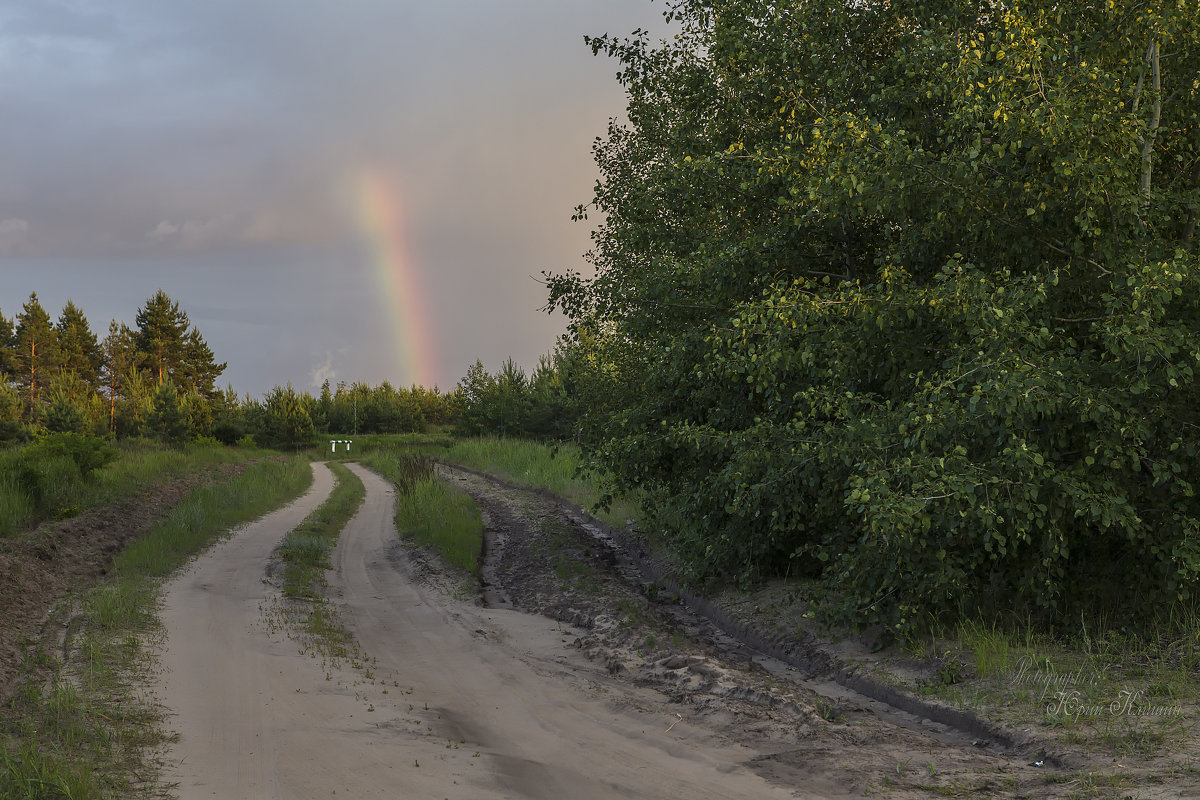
x: 59, y: 376
x: 506, y: 403
x: 159, y: 379
x: 290, y: 418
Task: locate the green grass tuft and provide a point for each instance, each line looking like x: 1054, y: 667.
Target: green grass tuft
x: 429, y: 511
x: 438, y: 515
x: 305, y: 550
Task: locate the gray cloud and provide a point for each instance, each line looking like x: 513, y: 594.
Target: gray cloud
x: 13, y: 233
x: 179, y: 143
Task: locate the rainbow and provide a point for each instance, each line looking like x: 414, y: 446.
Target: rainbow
x: 380, y: 220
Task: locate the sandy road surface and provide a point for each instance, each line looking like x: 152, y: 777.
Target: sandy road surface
x: 456, y: 702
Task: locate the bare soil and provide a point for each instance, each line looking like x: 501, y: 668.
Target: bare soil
x: 791, y: 697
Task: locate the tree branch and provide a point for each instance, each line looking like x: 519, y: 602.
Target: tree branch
x: 1155, y: 115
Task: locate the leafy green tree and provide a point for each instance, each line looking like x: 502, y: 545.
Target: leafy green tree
x: 904, y: 296
x: 35, y: 356
x: 78, y: 349
x: 478, y: 391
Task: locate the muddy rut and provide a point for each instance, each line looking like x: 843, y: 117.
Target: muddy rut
x: 813, y: 734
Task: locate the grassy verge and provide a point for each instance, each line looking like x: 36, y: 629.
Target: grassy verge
x: 437, y: 514
x: 521, y: 462
x: 35, y: 487
x: 76, y: 727
x: 304, y: 613
x: 429, y: 511
x: 1119, y: 692
x: 305, y: 550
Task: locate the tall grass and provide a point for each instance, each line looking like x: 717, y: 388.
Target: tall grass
x: 35, y: 486
x: 83, y: 732
x: 208, y: 512
x: 429, y: 511
x: 540, y: 466
x: 435, y: 514
x: 523, y: 462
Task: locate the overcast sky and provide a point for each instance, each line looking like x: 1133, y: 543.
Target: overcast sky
x: 215, y: 150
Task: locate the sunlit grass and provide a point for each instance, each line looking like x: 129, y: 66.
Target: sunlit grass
x: 140, y: 465
x: 210, y: 510
x: 428, y: 510
x: 436, y: 514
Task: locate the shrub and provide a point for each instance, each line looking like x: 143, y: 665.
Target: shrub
x: 89, y: 453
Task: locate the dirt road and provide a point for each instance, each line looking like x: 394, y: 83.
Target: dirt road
x: 454, y: 701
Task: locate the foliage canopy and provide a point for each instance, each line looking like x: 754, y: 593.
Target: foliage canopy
x: 904, y: 295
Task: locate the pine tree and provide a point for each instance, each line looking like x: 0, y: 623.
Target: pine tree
x: 200, y: 367
x: 161, y: 336
x: 287, y: 421
x: 10, y: 413
x: 198, y: 411
x: 167, y: 418
x: 117, y: 356
x: 134, y: 408
x: 8, y: 343
x: 171, y: 348
x: 323, y: 407
x: 66, y: 404
x: 36, y: 352
x: 78, y: 349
